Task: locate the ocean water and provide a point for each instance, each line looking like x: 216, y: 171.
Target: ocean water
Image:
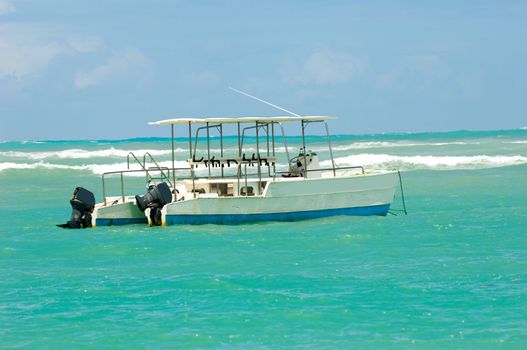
x: 452, y: 274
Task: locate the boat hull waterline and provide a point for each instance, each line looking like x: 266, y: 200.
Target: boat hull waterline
x: 281, y: 200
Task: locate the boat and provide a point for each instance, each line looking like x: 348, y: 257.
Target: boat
x: 220, y: 186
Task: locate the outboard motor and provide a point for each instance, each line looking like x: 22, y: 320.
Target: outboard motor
x: 156, y: 197
x: 83, y: 203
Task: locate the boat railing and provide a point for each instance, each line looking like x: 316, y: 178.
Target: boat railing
x: 164, y: 176
x: 222, y: 162
x: 241, y: 177
x: 134, y: 157
x: 280, y: 173
x: 158, y: 168
x: 245, y: 174
x: 142, y: 165
x: 334, y: 170
x: 122, y: 173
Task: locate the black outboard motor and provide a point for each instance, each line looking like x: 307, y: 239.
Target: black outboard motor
x: 156, y: 197
x: 83, y: 203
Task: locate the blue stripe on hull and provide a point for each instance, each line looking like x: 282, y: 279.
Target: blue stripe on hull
x: 120, y: 221
x: 291, y: 216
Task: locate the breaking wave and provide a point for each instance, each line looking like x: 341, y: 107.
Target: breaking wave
x: 380, y: 161
x: 77, y: 153
x: 32, y: 142
x: 387, y: 161
x: 94, y: 168
x: 386, y: 144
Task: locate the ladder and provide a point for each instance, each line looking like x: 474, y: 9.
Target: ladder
x: 160, y: 176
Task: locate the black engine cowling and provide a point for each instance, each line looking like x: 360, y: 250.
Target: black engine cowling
x: 83, y: 204
x: 157, y: 196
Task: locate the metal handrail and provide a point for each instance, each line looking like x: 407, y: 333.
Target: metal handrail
x: 147, y: 175
x: 158, y: 168
x: 143, y: 166
x: 192, y: 175
x: 249, y: 175
x: 327, y: 169
x: 121, y: 173
x: 137, y: 160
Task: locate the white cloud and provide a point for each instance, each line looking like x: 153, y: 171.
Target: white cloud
x: 26, y: 50
x: 23, y: 53
x: 326, y: 68
x: 130, y: 62
x: 26, y: 60
x: 6, y: 7
x: 417, y: 71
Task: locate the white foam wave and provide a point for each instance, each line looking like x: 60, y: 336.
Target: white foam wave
x: 94, y: 168
x: 77, y: 153
x: 357, y: 145
x: 385, y: 144
x: 517, y: 142
x: 32, y: 142
x: 383, y: 161
x: 387, y: 161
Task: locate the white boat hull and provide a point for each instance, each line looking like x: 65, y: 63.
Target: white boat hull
x: 118, y: 214
x: 292, y: 199
x: 283, y: 199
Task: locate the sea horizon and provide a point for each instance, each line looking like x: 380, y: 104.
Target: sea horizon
x: 366, y: 134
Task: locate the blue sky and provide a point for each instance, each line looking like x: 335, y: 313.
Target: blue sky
x: 96, y: 70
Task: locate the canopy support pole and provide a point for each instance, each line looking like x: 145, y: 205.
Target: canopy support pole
x: 191, y: 165
x: 258, y: 157
x: 208, y: 148
x: 173, y: 165
x: 304, y: 150
x: 330, y: 149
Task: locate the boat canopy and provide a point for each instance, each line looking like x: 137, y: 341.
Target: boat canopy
x: 241, y: 120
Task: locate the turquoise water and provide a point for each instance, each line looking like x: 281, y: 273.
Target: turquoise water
x: 451, y: 274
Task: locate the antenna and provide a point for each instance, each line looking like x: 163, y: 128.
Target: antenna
x: 267, y: 103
